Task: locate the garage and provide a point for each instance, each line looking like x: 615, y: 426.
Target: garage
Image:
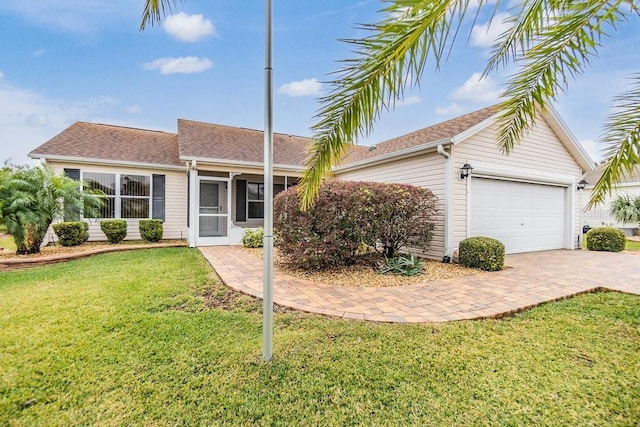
x: 526, y: 217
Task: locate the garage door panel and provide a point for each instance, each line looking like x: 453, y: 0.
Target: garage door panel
x: 525, y: 217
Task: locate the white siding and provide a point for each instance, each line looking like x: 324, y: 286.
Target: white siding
x: 426, y: 170
x: 175, y: 224
x: 601, y: 215
x: 540, y: 150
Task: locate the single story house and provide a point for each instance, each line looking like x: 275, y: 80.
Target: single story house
x: 206, y: 181
x: 600, y: 215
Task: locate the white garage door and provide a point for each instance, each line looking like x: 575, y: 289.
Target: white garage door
x: 525, y: 217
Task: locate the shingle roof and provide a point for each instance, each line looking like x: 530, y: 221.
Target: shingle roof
x: 444, y: 130
x: 593, y: 176
x: 211, y: 141
x: 112, y: 143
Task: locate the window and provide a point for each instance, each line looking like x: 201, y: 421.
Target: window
x: 130, y: 199
x: 255, y: 198
x: 105, y: 182
x: 134, y: 196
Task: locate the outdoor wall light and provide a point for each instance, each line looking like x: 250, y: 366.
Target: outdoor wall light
x: 582, y: 184
x: 465, y: 171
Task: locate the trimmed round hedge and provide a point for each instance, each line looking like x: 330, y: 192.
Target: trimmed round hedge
x: 150, y: 229
x: 607, y: 239
x: 71, y: 233
x: 481, y: 252
x: 114, y: 229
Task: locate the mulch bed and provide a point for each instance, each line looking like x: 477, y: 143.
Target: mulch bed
x: 364, y: 273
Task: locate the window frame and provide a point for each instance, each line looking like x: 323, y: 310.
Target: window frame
x: 261, y: 184
x: 118, y: 196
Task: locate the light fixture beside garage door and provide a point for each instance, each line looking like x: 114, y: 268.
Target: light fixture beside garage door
x: 465, y: 171
x: 582, y: 184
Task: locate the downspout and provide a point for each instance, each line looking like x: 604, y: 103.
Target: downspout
x: 448, y: 211
x: 193, y: 203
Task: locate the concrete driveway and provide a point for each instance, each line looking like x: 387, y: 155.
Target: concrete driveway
x: 530, y: 280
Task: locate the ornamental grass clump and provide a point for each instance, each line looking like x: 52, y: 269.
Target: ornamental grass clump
x: 403, y: 265
x: 606, y: 239
x: 71, y: 233
x: 114, y: 229
x: 484, y: 253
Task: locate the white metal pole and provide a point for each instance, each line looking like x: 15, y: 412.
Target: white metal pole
x: 267, y: 287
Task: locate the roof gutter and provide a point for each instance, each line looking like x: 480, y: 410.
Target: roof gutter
x: 395, y: 155
x: 87, y: 160
x: 227, y: 162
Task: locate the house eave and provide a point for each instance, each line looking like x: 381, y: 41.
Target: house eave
x: 107, y: 162
x: 230, y: 163
x: 395, y: 155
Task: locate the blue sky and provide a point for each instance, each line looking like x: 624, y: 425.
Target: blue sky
x: 63, y: 61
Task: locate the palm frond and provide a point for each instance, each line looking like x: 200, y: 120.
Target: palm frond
x: 154, y: 10
x: 622, y: 136
x: 561, y: 51
x: 389, y: 60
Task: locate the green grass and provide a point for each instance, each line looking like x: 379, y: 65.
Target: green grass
x: 632, y: 245
x: 127, y: 339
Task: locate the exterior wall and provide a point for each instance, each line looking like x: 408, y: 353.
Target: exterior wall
x: 601, y: 215
x: 175, y: 224
x: 539, y: 151
x: 426, y: 170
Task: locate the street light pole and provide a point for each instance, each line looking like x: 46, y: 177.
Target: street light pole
x: 267, y: 279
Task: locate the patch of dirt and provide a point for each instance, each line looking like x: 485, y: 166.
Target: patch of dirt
x: 365, y: 272
x: 55, y: 250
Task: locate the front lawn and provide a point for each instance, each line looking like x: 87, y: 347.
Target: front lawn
x: 632, y: 245
x: 127, y: 339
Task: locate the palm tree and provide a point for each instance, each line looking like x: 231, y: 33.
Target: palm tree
x: 32, y: 198
x: 625, y: 209
x: 550, y: 41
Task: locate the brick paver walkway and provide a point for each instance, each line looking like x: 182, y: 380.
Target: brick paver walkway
x: 533, y: 278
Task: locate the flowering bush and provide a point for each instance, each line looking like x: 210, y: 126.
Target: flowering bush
x: 347, y: 215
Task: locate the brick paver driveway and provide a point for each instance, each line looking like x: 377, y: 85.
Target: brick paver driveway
x: 532, y: 279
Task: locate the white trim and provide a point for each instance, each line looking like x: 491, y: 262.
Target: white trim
x: 616, y: 186
x: 193, y: 205
x: 228, y: 162
x: 117, y: 197
x: 87, y: 160
x: 448, y: 199
x: 474, y: 129
x: 394, y: 155
x: 211, y: 241
x: 497, y: 171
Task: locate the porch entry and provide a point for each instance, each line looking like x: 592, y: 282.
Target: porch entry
x: 213, y: 211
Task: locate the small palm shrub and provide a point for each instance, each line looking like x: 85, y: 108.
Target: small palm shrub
x: 484, y: 253
x: 607, y: 239
x: 253, y: 238
x: 150, y: 229
x: 406, y: 266
x: 71, y: 233
x: 114, y: 229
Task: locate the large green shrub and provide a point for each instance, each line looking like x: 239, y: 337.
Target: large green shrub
x: 480, y: 252
x: 606, y: 239
x: 71, y: 233
x: 347, y: 214
x: 253, y: 238
x: 30, y: 200
x: 150, y: 229
x: 114, y: 229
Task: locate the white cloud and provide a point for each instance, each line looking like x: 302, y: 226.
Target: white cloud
x: 477, y: 89
x: 409, y: 100
x: 306, y: 87
x: 29, y: 118
x: 182, y: 65
x: 487, y: 34
x: 592, y: 147
x: 134, y: 109
x: 451, y: 110
x: 188, y: 28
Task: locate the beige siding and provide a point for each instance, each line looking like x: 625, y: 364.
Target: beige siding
x: 426, y: 170
x: 540, y: 150
x: 175, y: 224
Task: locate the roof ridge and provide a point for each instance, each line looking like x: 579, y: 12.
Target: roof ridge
x: 243, y: 128
x: 125, y: 127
